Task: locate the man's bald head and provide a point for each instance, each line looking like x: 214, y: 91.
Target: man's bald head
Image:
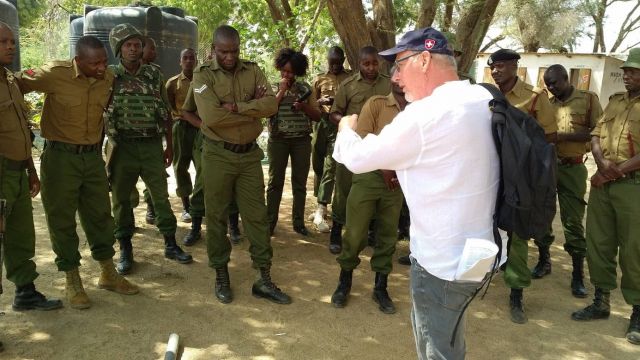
x: 7, y: 44
x: 558, y: 70
x: 556, y: 79
x: 226, y: 46
x: 4, y: 25
x: 225, y: 33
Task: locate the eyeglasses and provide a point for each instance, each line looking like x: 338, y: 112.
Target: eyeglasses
x: 396, y: 63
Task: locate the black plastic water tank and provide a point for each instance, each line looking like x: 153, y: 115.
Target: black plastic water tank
x: 76, y: 30
x: 171, y: 33
x: 9, y: 15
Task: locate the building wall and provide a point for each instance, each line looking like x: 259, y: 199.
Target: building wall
x: 602, y: 80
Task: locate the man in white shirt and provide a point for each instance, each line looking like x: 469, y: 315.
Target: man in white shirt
x: 442, y: 150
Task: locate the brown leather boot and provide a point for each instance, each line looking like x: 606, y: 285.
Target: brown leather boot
x: 112, y: 281
x: 76, y: 297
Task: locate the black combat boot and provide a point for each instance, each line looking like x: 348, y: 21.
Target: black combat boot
x: 543, y: 267
x: 600, y: 309
x: 174, y: 252
x: 265, y: 288
x: 372, y: 234
x: 223, y: 285
x: 234, y: 229
x: 518, y: 315
x: 28, y: 298
x: 339, y: 297
x: 577, y: 285
x: 150, y: 217
x: 633, y: 332
x: 381, y: 296
x: 125, y: 263
x: 403, y: 227
x: 194, y: 235
x: 335, y: 238
x: 405, y: 260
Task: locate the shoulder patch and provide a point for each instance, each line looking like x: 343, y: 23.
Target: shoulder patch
x: 620, y: 93
x: 60, y: 63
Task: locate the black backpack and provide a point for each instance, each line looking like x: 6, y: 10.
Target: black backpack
x: 526, y: 203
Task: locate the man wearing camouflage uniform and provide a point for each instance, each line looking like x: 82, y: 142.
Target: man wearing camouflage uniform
x: 137, y: 118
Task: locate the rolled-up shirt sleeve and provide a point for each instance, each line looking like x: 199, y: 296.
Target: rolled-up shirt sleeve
x: 398, y: 147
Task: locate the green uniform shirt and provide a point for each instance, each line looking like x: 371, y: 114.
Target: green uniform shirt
x: 177, y: 89
x: 355, y: 91
x: 15, y: 139
x: 619, y: 128
x: 378, y: 112
x: 325, y: 86
x: 579, y: 113
x: 212, y: 86
x: 523, y: 95
x: 74, y: 103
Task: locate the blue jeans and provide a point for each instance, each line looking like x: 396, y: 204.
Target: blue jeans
x: 437, y: 306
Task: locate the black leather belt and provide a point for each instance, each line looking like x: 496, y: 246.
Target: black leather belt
x: 73, y: 148
x: 239, y: 148
x: 574, y: 160
x: 15, y: 165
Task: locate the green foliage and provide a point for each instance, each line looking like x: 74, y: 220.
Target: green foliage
x: 30, y: 10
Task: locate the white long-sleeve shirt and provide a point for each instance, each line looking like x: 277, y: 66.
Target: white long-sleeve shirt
x: 443, y: 152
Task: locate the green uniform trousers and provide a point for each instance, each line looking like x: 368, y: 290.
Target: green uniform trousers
x: 279, y: 150
x: 184, y: 135
x: 517, y: 274
x: 73, y: 183
x: 19, y: 245
x: 234, y: 176
x: 572, y: 186
x: 613, y: 229
x: 143, y: 158
x: 197, y: 198
x: 324, y: 166
x: 370, y: 198
x: 343, y: 180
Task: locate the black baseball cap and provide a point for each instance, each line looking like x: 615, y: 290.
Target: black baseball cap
x: 427, y: 39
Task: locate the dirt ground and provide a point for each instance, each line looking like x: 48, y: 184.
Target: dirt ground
x: 179, y: 298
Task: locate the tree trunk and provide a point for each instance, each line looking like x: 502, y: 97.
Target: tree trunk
x: 350, y: 24
x: 307, y: 35
x: 383, y: 25
x: 598, y: 21
x: 448, y: 15
x: 472, y: 28
x: 428, y: 10
x: 277, y: 16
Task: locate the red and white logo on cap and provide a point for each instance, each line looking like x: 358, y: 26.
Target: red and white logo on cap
x: 429, y: 44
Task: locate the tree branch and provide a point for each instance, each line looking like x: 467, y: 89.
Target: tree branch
x: 316, y: 15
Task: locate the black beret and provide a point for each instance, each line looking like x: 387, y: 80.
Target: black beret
x: 503, y: 55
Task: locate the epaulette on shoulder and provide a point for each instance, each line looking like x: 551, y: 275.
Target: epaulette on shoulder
x: 619, y: 93
x: 384, y: 75
x: 204, y: 64
x: 349, y: 79
x: 60, y: 63
x: 378, y: 97
x: 591, y: 93
x: 249, y: 62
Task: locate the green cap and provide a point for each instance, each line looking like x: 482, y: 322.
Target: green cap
x: 121, y: 33
x: 633, y: 60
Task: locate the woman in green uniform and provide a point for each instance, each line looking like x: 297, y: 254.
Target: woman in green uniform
x: 290, y: 136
